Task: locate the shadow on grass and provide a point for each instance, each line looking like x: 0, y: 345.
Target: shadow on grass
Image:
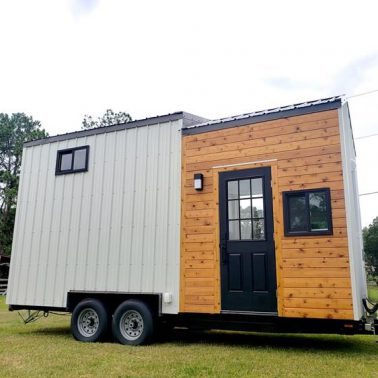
x: 56, y: 331
x: 331, y: 344
x: 294, y: 342
x: 52, y: 331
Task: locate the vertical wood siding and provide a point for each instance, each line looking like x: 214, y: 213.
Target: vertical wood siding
x: 113, y: 228
x: 313, y: 273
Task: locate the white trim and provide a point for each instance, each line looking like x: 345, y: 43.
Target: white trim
x: 357, y: 272
x: 247, y: 163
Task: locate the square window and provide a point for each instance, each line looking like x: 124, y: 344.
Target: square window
x: 307, y: 212
x: 72, y: 160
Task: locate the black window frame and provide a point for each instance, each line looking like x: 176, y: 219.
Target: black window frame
x: 308, y: 231
x: 59, y: 155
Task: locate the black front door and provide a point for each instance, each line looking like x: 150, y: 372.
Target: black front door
x: 248, y: 275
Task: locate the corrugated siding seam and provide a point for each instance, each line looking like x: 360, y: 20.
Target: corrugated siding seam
x: 15, y: 264
x: 41, y: 284
x: 122, y: 212
x: 112, y: 210
x: 77, y: 248
x: 42, y: 177
x: 114, y: 227
x: 91, y: 168
x: 27, y: 236
x: 55, y: 273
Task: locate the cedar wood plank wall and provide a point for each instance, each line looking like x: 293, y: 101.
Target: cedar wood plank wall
x: 313, y: 274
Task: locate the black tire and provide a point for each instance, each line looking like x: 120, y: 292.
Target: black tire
x: 133, y: 323
x: 90, y: 321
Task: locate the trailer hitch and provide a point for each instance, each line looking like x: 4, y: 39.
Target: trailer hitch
x: 32, y: 316
x: 372, y: 310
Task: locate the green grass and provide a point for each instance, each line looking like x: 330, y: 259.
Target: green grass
x: 46, y: 348
x: 373, y: 293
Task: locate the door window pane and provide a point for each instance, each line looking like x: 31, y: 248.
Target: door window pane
x: 258, y: 207
x: 257, y: 187
x: 245, y: 188
x: 297, y: 211
x: 233, y: 230
x: 318, y: 211
x: 66, y: 161
x: 233, y: 209
x: 245, y: 229
x: 245, y: 208
x: 80, y: 158
x: 233, y: 190
x: 258, y: 229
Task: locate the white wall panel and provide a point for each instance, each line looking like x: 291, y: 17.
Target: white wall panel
x: 112, y: 228
x: 352, y: 207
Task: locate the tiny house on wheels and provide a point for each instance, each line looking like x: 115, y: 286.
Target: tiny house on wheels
x: 249, y: 222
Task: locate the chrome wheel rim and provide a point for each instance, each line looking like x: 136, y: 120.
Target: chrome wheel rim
x: 88, y: 322
x: 131, y: 325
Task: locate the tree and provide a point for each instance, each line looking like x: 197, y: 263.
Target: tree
x: 14, y: 131
x: 108, y: 119
x: 370, y: 236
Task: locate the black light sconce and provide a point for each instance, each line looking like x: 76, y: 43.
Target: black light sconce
x: 198, y: 181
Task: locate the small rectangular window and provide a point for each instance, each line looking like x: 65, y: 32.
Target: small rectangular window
x: 72, y: 160
x: 307, y: 212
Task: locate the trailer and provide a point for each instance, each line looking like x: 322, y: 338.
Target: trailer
x: 249, y: 222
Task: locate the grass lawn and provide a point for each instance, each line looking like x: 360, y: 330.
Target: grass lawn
x: 373, y: 293
x: 46, y: 348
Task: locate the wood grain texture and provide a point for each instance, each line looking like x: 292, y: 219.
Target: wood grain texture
x: 278, y: 234
x: 316, y: 282
x: 330, y: 293
x: 316, y: 313
x: 318, y: 303
x: 313, y: 275
x: 325, y: 149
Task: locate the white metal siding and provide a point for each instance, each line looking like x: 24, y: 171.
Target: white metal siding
x: 113, y: 228
x: 352, y: 206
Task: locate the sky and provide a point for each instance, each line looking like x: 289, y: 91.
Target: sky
x: 62, y: 59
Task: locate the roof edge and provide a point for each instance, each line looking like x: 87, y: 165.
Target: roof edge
x: 267, y: 115
x: 188, y: 120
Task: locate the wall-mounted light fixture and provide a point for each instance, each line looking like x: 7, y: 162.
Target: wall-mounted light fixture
x: 198, y: 181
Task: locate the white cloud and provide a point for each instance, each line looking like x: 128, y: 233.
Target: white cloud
x: 82, y: 7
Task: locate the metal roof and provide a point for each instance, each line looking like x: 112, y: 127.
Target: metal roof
x: 193, y: 124
x: 266, y: 115
x: 188, y: 120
